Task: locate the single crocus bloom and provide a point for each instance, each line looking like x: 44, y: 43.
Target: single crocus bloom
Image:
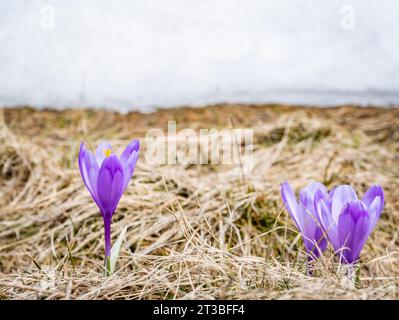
x: 347, y: 220
x: 106, y: 176
x: 303, y: 214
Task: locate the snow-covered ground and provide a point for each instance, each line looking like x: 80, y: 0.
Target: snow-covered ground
x: 139, y: 54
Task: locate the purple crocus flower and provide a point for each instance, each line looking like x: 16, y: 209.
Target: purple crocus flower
x: 106, y: 176
x: 304, y: 216
x: 348, y: 221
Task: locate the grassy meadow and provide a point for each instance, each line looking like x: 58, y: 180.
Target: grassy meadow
x: 194, y: 231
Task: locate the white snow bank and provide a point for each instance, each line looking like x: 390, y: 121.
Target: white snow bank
x: 139, y: 54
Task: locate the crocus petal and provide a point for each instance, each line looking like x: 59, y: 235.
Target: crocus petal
x: 341, y: 196
x: 307, y: 195
x: 89, y: 171
x: 129, y: 158
x: 110, y: 185
x: 314, y: 239
x: 313, y: 187
x: 101, y: 152
x: 323, y: 214
x: 372, y: 193
x: 291, y: 204
x: 321, y: 241
x: 375, y: 210
x: 353, y: 230
x: 312, y: 235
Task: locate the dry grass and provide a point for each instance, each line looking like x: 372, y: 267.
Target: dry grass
x: 194, y: 232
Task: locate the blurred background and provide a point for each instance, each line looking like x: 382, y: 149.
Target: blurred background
x: 142, y: 54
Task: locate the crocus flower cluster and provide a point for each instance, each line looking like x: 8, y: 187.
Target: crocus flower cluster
x: 338, y: 216
x: 106, y: 176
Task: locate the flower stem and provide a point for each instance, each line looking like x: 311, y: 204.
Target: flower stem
x: 107, y: 238
x: 309, y: 268
x: 353, y: 274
